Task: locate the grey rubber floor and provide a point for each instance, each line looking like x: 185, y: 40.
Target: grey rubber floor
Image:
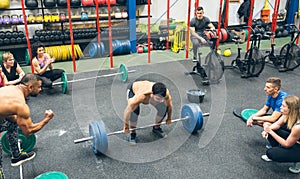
x: 223, y: 148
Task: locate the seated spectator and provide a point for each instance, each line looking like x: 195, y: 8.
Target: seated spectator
x: 11, y: 69
x: 274, y: 100
x: 285, y: 144
x: 3, y: 79
x: 43, y: 66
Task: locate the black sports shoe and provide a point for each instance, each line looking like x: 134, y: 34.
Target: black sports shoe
x: 23, y: 157
x: 159, y: 132
x: 132, y: 139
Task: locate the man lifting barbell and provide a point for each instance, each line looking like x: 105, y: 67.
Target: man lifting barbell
x: 14, y: 113
x: 146, y: 92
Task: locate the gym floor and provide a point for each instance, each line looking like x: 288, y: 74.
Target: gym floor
x: 223, y: 148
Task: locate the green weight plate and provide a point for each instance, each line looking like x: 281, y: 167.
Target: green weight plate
x: 27, y: 57
x: 246, y: 113
x: 124, y: 73
x: 52, y: 175
x: 64, y: 86
x: 27, y: 142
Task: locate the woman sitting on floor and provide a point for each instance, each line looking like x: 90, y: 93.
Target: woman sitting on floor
x: 43, y: 66
x: 285, y: 144
x: 11, y: 69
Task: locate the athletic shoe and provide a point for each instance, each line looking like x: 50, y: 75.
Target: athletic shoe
x: 295, y: 168
x: 159, y: 132
x: 132, y: 139
x: 23, y: 157
x: 266, y: 158
x: 1, y: 174
x: 268, y: 146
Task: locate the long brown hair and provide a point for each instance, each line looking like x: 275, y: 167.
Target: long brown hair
x: 293, y: 104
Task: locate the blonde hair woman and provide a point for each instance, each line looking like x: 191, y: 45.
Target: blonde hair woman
x: 284, y: 135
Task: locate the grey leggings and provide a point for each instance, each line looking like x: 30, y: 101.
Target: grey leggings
x: 12, y: 137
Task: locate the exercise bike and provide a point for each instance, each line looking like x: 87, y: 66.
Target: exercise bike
x: 253, y: 63
x: 213, y: 68
x: 289, y: 56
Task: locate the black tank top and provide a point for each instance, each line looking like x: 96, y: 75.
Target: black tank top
x: 13, y: 72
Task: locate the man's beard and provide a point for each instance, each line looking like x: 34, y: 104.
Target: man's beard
x: 34, y: 95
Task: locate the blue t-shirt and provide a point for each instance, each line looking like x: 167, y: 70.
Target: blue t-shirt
x: 275, y: 103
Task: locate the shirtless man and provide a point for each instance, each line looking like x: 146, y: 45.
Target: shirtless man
x: 14, y: 113
x: 146, y: 92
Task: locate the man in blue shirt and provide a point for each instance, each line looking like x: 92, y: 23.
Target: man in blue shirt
x: 274, y: 101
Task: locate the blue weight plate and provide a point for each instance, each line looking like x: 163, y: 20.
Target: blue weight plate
x: 93, y: 131
x: 93, y: 49
x: 192, y: 111
x: 64, y: 86
x: 103, y: 142
x: 199, y: 123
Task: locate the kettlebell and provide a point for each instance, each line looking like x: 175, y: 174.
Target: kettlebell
x: 47, y: 18
x: 6, y: 19
x: 39, y: 18
x: 21, y: 19
x: 140, y: 48
x: 62, y: 16
x: 55, y: 17
x: 14, y: 19
x: 84, y: 15
x: 227, y: 52
x: 31, y: 18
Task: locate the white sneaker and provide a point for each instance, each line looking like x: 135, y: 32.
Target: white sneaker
x: 295, y: 168
x: 266, y: 158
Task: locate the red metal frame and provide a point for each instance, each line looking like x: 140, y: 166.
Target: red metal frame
x: 274, y: 19
x: 188, y: 31
x: 27, y: 34
x: 149, y: 33
x: 168, y: 23
x: 219, y: 24
x: 110, y: 36
x: 250, y: 23
x: 71, y: 35
x: 98, y: 23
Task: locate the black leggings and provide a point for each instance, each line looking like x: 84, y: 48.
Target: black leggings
x: 49, y: 76
x: 280, y: 154
x: 12, y: 137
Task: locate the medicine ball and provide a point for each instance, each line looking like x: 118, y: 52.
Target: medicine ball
x: 227, y: 52
x: 31, y: 3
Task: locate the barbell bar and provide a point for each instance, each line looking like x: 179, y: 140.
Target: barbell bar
x: 191, y: 117
x: 123, y: 72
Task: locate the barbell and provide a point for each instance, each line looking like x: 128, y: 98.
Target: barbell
x: 191, y: 117
x: 123, y: 72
